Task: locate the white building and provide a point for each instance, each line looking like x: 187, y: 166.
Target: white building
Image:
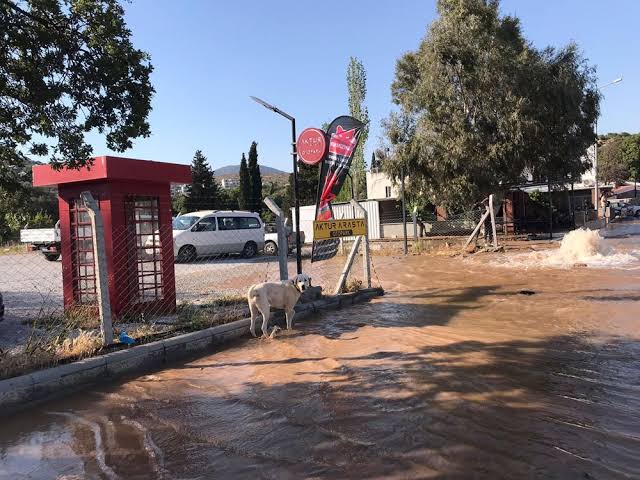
x: 230, y: 183
x: 178, y: 189
x: 379, y: 186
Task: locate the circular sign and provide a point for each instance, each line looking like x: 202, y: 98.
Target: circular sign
x: 311, y: 145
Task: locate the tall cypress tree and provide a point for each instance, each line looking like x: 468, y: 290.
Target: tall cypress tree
x: 357, y: 87
x: 244, y: 195
x: 203, y: 192
x: 307, y: 183
x: 255, y: 180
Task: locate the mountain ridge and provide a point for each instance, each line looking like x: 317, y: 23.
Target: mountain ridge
x: 234, y: 170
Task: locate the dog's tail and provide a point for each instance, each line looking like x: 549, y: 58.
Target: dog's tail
x: 252, y: 293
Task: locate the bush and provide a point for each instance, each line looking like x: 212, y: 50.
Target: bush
x: 16, y: 221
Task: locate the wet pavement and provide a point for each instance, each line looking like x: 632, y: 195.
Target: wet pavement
x: 464, y: 370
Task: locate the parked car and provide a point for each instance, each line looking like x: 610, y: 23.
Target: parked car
x: 47, y: 240
x: 214, y: 232
x: 615, y: 207
x: 633, y: 209
x: 271, y: 239
x: 1, y: 307
x: 622, y: 207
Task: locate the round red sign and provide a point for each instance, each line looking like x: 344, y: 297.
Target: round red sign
x: 312, y: 145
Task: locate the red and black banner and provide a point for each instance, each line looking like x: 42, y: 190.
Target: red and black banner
x: 343, y: 135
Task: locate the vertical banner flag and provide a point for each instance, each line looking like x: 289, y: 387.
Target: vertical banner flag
x: 343, y: 134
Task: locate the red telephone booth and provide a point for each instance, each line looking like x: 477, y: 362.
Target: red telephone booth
x: 134, y: 199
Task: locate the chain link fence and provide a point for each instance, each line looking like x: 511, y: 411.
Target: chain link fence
x: 427, y: 225
x: 206, y: 261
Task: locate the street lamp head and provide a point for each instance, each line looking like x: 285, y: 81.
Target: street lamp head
x: 263, y: 103
x: 271, y: 107
x: 617, y: 80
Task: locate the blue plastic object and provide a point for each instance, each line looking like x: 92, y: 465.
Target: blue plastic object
x: 124, y: 338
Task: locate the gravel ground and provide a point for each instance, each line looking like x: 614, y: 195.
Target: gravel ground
x: 32, y: 286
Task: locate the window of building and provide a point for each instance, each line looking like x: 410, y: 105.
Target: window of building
x: 387, y: 192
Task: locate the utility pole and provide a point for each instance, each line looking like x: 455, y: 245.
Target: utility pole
x: 404, y: 216
x: 296, y: 193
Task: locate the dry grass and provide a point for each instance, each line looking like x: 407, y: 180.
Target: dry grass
x: 48, y: 351
x: 386, y: 250
x: 193, y: 317
x: 56, y: 339
x: 12, y: 249
x: 352, y: 285
x: 84, y: 345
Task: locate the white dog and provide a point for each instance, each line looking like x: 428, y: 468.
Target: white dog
x: 285, y: 295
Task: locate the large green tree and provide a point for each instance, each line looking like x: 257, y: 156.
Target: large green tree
x: 357, y: 90
x: 619, y: 158
x: 68, y: 67
x: 479, y: 107
x: 562, y: 108
x: 307, y: 183
x: 229, y: 198
x: 255, y: 180
x: 244, y: 193
x: 202, y: 193
x: 281, y: 194
x: 631, y: 156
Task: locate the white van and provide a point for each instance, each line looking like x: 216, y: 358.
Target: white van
x: 214, y: 232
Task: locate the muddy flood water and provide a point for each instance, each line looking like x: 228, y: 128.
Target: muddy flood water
x: 497, y: 366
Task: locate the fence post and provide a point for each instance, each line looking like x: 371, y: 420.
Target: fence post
x: 366, y: 257
x: 414, y: 214
x: 283, y: 244
x: 102, y: 276
x: 347, y: 265
x: 493, y: 222
x: 476, y: 230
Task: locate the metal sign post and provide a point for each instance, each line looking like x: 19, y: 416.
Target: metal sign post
x: 366, y: 258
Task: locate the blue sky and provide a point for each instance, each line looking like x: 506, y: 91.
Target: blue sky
x: 209, y: 56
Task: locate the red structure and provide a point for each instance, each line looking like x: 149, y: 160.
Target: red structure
x: 135, y: 201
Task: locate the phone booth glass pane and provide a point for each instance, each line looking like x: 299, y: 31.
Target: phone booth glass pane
x: 82, y: 255
x: 143, y: 225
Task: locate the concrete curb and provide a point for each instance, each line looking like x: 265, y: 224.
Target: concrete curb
x: 23, y: 392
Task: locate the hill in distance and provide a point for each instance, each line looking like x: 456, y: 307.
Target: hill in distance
x: 234, y: 171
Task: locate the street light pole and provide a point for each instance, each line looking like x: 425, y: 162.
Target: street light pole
x: 595, y: 153
x: 296, y: 196
x: 595, y: 169
x: 404, y: 217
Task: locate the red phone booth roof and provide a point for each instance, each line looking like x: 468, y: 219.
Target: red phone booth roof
x: 114, y: 168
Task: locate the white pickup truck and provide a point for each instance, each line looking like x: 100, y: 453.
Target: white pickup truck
x: 47, y: 240
x: 271, y: 239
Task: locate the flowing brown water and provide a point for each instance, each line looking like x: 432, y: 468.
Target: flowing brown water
x: 453, y: 374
